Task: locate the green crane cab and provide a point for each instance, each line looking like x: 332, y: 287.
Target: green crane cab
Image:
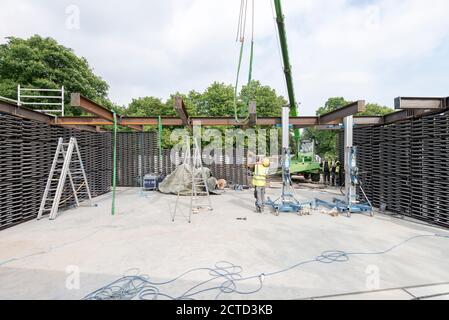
x: 306, y: 162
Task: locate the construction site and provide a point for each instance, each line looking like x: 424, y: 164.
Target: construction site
x: 94, y: 207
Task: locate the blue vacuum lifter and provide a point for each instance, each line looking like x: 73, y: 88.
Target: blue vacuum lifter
x: 352, y: 181
x: 287, y: 201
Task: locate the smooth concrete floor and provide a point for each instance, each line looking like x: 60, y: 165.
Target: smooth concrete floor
x: 40, y: 259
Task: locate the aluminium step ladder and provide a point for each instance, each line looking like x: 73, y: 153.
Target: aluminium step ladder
x: 67, y: 162
x: 200, y: 191
x: 199, y: 195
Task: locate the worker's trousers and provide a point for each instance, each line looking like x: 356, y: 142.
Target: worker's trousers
x: 259, y: 194
x: 333, y: 176
x: 327, y: 177
x: 339, y: 179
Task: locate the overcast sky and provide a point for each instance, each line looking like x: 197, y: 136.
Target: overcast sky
x: 360, y: 49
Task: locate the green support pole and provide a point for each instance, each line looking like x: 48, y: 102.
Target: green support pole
x: 160, y: 142
x: 114, y: 169
x: 280, y: 19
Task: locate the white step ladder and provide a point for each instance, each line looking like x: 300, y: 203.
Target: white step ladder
x: 67, y: 162
x: 200, y: 191
x: 199, y: 196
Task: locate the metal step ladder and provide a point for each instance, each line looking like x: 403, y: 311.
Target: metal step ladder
x: 200, y: 191
x: 199, y: 196
x: 67, y: 162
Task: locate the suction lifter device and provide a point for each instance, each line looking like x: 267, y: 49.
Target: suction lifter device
x: 287, y: 201
x: 352, y: 203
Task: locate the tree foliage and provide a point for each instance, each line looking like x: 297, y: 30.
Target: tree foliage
x: 332, y: 104
x: 40, y: 62
x: 149, y: 107
x: 215, y: 101
x: 326, y: 140
x: 269, y: 104
x: 374, y: 109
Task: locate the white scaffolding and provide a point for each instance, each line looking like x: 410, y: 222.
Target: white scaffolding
x: 51, y: 101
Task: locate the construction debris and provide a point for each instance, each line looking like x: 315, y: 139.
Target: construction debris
x: 331, y: 212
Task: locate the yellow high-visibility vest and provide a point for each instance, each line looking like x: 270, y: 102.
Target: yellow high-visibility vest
x: 260, y: 176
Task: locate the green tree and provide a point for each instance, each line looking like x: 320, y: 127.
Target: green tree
x: 217, y: 100
x: 325, y: 140
x: 40, y: 62
x: 193, y: 102
x: 269, y: 104
x: 332, y: 104
x: 148, y: 107
x: 374, y: 109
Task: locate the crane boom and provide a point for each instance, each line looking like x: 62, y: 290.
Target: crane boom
x: 280, y: 19
x: 287, y: 201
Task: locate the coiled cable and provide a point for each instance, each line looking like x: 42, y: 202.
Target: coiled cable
x: 227, y: 274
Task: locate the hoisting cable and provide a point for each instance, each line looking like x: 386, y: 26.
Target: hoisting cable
x: 251, y: 57
x: 239, y: 26
x: 242, y: 33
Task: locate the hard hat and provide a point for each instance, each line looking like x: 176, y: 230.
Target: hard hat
x: 266, y: 162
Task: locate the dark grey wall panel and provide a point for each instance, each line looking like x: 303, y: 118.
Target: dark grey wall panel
x: 26, y: 154
x: 138, y: 153
x: 405, y: 167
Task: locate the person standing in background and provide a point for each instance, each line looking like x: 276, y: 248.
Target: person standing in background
x: 338, y: 173
x: 333, y: 173
x: 326, y: 172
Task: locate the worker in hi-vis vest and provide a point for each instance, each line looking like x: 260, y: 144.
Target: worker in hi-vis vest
x: 261, y: 171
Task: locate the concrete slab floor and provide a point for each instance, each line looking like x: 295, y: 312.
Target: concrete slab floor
x: 41, y: 259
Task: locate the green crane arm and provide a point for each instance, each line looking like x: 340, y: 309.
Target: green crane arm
x: 287, y: 66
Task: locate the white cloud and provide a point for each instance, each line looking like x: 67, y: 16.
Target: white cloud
x: 357, y: 49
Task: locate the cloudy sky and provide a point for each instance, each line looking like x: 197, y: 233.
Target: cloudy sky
x: 360, y: 49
